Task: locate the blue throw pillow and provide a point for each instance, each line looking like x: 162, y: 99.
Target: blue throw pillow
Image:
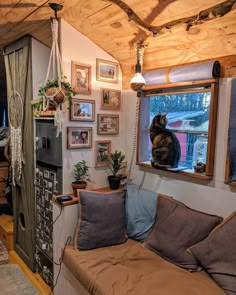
x: 140, y: 211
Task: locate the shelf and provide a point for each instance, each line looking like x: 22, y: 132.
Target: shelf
x: 75, y: 199
x: 185, y: 172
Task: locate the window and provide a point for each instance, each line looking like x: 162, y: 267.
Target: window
x: 191, y: 114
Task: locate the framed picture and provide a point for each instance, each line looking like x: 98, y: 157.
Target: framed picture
x: 79, y: 137
x: 107, y: 71
x: 81, y: 77
x: 102, y: 153
x: 82, y: 110
x: 110, y: 99
x: 108, y: 124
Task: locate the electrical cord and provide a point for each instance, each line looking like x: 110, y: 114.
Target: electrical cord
x: 41, y: 250
x: 45, y: 254
x: 55, y: 218
x: 68, y: 241
x: 135, y: 134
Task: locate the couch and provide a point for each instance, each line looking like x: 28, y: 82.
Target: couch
x: 139, y: 267
x: 131, y: 269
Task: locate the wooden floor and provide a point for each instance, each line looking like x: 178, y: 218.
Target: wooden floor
x: 35, y: 278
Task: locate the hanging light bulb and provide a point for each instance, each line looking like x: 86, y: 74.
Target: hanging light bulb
x: 138, y: 82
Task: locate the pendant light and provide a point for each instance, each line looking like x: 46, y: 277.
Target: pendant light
x: 138, y: 82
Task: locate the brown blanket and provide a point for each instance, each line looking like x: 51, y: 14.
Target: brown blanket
x: 131, y: 269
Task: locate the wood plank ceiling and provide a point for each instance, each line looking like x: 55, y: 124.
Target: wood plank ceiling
x: 202, y: 36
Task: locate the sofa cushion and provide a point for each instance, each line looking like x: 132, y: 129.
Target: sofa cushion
x: 101, y: 219
x: 178, y: 227
x: 217, y: 254
x: 140, y: 211
x: 130, y: 269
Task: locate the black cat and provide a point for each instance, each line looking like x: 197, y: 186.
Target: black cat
x: 165, y: 145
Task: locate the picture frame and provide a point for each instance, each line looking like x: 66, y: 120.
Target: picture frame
x: 110, y: 99
x: 79, y: 137
x: 107, y: 71
x: 82, y: 110
x: 81, y: 77
x: 102, y: 153
x: 107, y: 124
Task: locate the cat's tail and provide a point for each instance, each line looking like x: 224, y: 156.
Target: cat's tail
x: 157, y: 165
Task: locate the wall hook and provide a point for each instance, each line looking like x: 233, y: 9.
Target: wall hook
x: 55, y: 7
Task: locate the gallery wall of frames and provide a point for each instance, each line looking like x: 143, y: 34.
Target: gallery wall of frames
x: 82, y: 109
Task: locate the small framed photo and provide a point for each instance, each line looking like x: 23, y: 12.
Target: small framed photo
x: 110, y: 99
x: 82, y: 110
x: 81, y: 77
x: 108, y: 124
x: 53, y: 175
x: 102, y: 153
x: 79, y: 137
x: 46, y: 174
x: 106, y: 71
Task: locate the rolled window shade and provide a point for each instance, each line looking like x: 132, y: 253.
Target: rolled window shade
x: 193, y: 72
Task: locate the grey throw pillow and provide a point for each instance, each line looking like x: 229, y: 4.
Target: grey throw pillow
x: 178, y: 227
x: 217, y: 254
x: 101, y: 219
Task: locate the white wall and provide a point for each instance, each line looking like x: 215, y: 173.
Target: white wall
x: 210, y: 196
x: 76, y: 47
x: 40, y: 58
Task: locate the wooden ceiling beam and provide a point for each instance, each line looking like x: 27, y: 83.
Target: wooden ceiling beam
x: 217, y: 10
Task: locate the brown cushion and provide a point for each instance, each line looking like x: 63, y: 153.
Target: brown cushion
x: 130, y: 269
x: 178, y: 227
x: 217, y: 254
x: 101, y: 219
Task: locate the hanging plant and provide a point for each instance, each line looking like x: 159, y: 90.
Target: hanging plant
x: 56, y: 91
x: 51, y: 89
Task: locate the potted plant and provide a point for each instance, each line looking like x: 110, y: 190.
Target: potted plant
x: 51, y: 88
x: 116, y: 163
x: 81, y: 176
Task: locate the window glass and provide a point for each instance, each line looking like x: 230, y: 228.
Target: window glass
x: 188, y: 114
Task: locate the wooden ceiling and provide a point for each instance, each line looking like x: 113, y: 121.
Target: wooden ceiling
x: 176, y: 31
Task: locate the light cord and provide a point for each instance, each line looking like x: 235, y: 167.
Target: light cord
x: 134, y: 138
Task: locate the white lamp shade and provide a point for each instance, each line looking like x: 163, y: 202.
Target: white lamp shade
x: 137, y: 82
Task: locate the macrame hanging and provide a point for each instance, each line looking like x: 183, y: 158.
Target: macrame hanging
x: 15, y: 109
x: 55, y: 95
x: 136, y: 85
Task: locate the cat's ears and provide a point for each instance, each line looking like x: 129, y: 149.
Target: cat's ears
x: 159, y: 114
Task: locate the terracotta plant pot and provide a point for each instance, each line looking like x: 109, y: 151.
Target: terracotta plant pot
x: 78, y: 185
x: 59, y: 98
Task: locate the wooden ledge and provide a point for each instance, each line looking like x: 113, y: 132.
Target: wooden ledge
x: 75, y: 199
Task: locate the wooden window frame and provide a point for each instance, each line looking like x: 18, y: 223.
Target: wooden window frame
x: 213, y: 88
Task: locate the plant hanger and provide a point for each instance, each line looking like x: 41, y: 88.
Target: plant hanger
x: 55, y: 67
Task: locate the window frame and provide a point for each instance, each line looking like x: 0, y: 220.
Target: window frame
x: 144, y: 112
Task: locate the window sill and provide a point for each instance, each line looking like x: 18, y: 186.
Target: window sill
x: 186, y: 172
